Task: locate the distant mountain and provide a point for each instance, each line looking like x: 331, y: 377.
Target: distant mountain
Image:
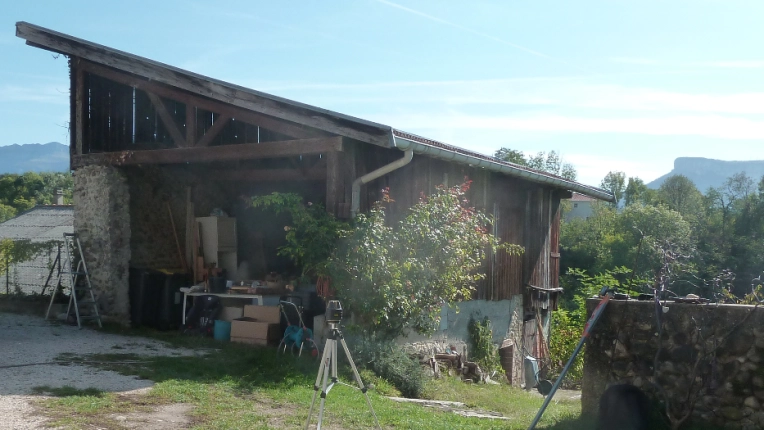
x: 705, y: 172
x: 34, y: 157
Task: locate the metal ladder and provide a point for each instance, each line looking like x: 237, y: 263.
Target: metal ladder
x: 73, y: 253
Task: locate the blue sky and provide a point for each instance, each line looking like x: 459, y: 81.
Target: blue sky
x: 611, y: 84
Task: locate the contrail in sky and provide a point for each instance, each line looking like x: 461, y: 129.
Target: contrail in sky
x: 463, y: 28
x: 475, y: 32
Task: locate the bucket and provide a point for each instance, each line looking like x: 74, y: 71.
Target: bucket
x: 222, y: 330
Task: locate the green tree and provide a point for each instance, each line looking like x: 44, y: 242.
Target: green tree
x: 637, y: 192
x: 680, y: 194
x: 512, y: 156
x: 550, y: 163
x: 615, y: 182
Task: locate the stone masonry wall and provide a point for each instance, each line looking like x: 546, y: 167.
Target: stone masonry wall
x: 152, y: 188
x: 707, y: 358
x: 102, y: 221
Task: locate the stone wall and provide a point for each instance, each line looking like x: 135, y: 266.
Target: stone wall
x: 152, y: 189
x: 506, y: 318
x: 102, y: 221
x: 704, y: 358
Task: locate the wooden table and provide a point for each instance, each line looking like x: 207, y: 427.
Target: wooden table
x: 258, y: 297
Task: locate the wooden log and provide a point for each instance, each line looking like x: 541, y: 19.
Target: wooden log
x: 244, y: 151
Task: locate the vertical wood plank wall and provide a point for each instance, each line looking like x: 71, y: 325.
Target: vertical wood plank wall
x: 525, y: 213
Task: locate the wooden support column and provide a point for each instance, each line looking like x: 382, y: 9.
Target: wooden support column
x: 333, y: 181
x: 79, y: 109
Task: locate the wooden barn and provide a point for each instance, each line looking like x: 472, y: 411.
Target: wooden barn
x: 153, y: 147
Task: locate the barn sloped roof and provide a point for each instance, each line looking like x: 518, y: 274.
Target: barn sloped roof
x: 285, y: 109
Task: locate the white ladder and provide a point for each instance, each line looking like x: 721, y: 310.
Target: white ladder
x: 73, y: 272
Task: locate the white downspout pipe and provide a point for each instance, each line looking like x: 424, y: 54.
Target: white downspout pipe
x: 355, y: 201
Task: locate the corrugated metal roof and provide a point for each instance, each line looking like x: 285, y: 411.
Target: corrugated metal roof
x: 40, y: 224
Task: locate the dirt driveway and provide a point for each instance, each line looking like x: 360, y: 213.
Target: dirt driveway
x: 28, y: 347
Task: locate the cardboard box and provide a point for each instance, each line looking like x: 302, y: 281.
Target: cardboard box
x: 250, y: 330
x: 248, y: 341
x: 230, y: 313
x: 268, y: 314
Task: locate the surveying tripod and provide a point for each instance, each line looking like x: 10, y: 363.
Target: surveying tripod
x: 329, y: 364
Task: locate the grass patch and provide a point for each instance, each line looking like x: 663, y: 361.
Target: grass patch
x: 73, y: 408
x: 66, y: 391
x: 239, y: 387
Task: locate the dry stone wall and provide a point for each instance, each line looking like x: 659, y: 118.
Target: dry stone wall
x: 152, y: 189
x: 102, y: 221
x: 705, y: 360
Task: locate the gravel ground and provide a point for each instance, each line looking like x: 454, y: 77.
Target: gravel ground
x: 26, y: 339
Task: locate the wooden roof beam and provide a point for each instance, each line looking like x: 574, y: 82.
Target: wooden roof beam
x: 244, y: 151
x: 290, y: 129
x: 317, y: 173
x: 213, y: 131
x: 167, y: 120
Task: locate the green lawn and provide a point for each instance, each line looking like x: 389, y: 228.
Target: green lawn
x: 240, y: 387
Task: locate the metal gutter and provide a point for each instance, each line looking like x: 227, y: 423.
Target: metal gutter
x: 355, y: 199
x: 406, y: 142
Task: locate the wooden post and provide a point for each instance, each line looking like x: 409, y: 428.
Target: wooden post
x: 333, y: 181
x: 79, y: 108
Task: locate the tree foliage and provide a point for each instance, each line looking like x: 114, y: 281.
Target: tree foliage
x: 392, y: 276
x: 615, y: 182
x: 546, y: 162
x: 19, y: 193
x: 397, y: 277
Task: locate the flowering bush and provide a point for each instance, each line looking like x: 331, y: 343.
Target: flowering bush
x: 398, y: 277
x: 393, y: 277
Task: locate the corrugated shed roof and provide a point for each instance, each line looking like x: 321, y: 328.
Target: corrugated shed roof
x: 40, y: 224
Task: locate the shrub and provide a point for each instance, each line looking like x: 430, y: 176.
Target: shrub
x: 482, y: 349
x: 398, y: 277
x: 390, y: 362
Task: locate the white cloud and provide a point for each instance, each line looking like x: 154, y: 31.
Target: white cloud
x: 716, y: 64
x: 581, y: 92
x: 688, y: 125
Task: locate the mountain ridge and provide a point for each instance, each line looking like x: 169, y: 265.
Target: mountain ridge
x: 34, y: 157
x: 708, y: 172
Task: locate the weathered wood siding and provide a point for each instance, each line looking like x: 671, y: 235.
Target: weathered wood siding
x: 524, y: 213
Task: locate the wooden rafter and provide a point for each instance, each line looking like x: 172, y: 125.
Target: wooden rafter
x: 213, y: 131
x: 317, y: 173
x: 167, y: 120
x: 244, y: 151
x: 254, y: 118
x: 274, y: 107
